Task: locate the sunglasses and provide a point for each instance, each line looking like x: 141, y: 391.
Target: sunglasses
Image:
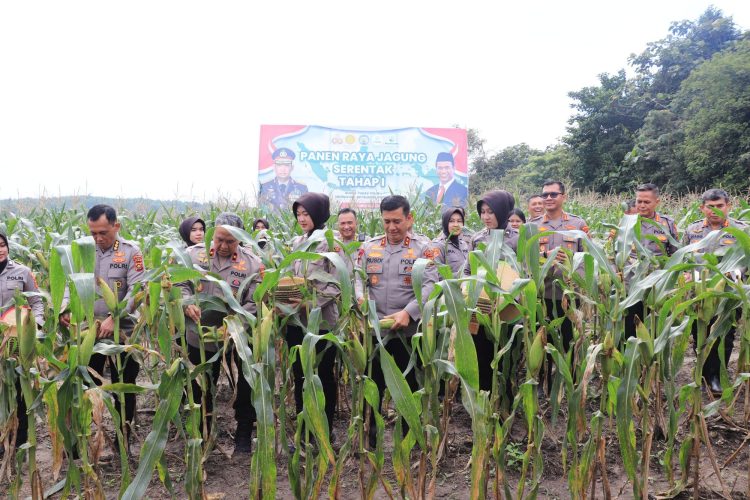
x: 550, y: 195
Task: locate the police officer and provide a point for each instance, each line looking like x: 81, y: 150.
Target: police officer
x: 312, y: 211
x: 282, y: 189
x: 119, y: 263
x: 347, y: 225
x: 347, y: 233
x: 556, y: 219
x: 654, y: 224
x: 656, y: 231
x: 711, y: 201
x: 451, y: 246
x: 17, y: 277
x: 388, y: 260
x: 493, y: 208
x: 535, y: 206
x: 243, y: 272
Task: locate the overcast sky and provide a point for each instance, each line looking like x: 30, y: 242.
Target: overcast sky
x: 165, y: 99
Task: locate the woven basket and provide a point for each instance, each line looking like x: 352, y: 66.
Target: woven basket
x: 10, y: 330
x: 288, y: 289
x: 508, y: 312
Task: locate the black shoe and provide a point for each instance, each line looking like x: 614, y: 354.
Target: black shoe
x: 243, y: 439
x: 372, y: 437
x: 714, y: 383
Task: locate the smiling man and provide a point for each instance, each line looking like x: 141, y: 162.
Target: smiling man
x: 388, y: 260
x: 715, y: 205
x: 558, y: 220
x: 448, y: 191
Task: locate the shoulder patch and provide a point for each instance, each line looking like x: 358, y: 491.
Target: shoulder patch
x: 138, y: 261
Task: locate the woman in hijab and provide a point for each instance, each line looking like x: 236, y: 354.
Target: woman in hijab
x: 259, y: 224
x: 449, y: 247
x: 494, y: 208
x: 312, y: 211
x: 17, y: 277
x: 192, y: 230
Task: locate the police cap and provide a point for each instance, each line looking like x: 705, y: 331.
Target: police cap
x: 283, y: 155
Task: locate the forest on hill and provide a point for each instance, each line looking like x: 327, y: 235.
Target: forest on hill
x: 680, y: 117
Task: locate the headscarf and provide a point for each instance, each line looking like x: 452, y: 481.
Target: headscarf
x: 264, y: 221
x: 447, y: 214
x: 7, y: 244
x: 187, y: 226
x: 501, y: 202
x: 317, y: 205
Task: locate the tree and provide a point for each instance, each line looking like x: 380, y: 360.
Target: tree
x: 664, y: 64
x: 603, y: 131
x: 714, y: 108
x: 487, y: 172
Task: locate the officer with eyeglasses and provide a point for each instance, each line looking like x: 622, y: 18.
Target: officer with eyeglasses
x: 556, y: 219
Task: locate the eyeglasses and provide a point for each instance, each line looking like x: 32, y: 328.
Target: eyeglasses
x: 550, y: 195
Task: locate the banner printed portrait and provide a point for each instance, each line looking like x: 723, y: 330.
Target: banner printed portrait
x: 358, y: 167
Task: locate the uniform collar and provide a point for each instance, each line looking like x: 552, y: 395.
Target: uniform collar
x: 725, y: 224
x: 405, y: 243
x: 10, y: 265
x: 564, y: 217
x: 114, y: 248
x: 235, y: 255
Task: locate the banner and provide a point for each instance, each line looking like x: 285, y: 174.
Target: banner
x: 358, y: 167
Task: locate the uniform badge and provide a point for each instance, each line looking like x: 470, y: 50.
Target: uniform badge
x: 374, y: 280
x: 199, y: 288
x: 240, y: 266
x: 727, y: 242
x: 235, y: 283
x: 407, y: 280
x: 138, y: 261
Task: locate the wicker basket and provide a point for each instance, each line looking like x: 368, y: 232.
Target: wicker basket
x: 9, y: 338
x: 508, y: 312
x: 288, y: 289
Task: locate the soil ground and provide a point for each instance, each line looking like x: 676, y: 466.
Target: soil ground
x: 228, y: 477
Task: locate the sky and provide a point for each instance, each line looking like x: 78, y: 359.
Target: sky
x: 164, y: 99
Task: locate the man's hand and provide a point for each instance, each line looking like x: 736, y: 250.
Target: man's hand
x: 106, y: 329
x: 65, y: 320
x: 193, y: 312
x: 401, y: 320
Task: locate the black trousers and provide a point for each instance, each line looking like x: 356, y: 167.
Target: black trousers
x: 401, y: 355
x: 712, y: 366
x: 244, y: 411
x: 294, y: 337
x: 22, y: 434
x: 555, y: 310
x: 633, y: 311
x: 130, y: 369
x: 486, y: 352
